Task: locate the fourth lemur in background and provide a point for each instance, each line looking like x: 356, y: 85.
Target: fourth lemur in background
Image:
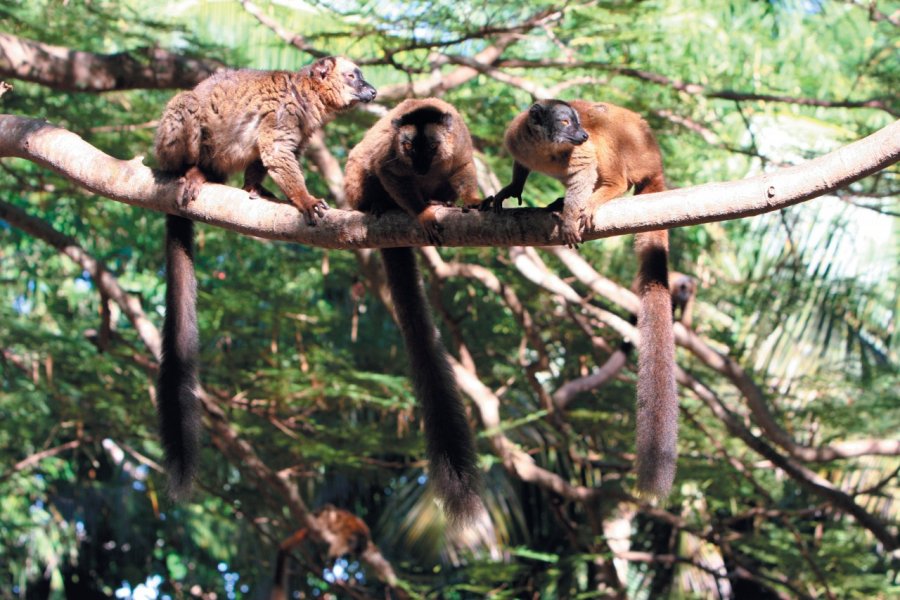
x: 684, y: 291
x: 599, y: 151
x: 340, y: 530
x: 246, y: 120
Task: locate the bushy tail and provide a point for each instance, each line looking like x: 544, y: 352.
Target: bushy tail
x: 450, y: 443
x: 657, y: 404
x: 176, y: 389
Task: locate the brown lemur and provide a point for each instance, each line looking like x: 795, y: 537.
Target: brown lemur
x: 340, y: 530
x: 683, y: 289
x: 599, y: 151
x: 415, y: 157
x: 258, y: 122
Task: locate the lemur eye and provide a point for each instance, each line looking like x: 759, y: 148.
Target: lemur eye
x: 407, y: 145
x: 351, y: 76
x: 434, y: 145
x: 565, y: 122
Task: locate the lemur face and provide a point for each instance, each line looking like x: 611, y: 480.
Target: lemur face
x: 558, y: 121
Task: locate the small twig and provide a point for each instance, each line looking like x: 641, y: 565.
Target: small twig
x: 37, y: 457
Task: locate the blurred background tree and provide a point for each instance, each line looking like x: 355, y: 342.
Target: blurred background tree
x: 789, y: 410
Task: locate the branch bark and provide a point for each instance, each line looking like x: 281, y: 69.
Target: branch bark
x: 77, y: 71
x: 133, y: 183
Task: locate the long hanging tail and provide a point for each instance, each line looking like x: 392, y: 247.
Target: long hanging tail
x: 176, y: 393
x: 657, y: 404
x: 449, y: 441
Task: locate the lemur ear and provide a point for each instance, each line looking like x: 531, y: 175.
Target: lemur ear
x: 323, y: 66
x: 536, y: 113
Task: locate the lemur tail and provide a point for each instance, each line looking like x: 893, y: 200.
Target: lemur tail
x: 450, y: 443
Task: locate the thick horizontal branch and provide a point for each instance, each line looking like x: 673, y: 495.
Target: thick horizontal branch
x: 74, y: 70
x: 133, y: 183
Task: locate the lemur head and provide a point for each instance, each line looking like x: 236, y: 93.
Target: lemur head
x: 423, y: 135
x: 683, y: 287
x: 557, y: 122
x: 340, y: 82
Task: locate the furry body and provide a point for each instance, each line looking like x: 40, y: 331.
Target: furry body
x: 417, y: 155
x: 255, y: 121
x: 599, y: 151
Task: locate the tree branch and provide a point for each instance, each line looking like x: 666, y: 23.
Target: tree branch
x: 440, y: 82
x: 518, y: 462
x: 697, y: 89
x: 133, y: 183
x: 37, y: 457
x: 875, y: 14
x: 294, y: 39
x: 488, y: 279
x: 596, y: 378
x: 73, y: 70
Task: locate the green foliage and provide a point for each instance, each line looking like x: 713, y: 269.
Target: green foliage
x: 805, y: 300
